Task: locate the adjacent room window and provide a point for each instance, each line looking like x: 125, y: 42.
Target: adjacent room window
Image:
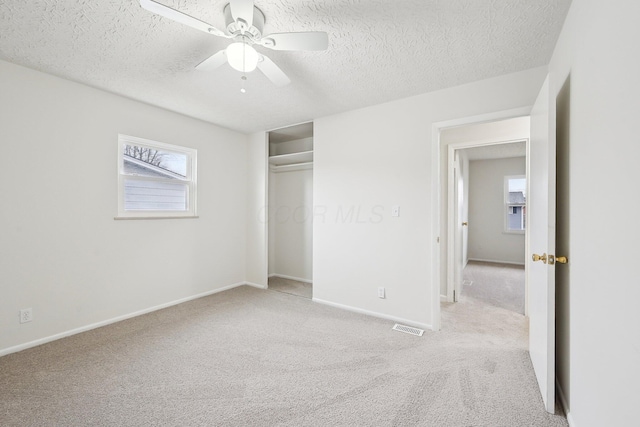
x: 155, y: 179
x: 515, y: 201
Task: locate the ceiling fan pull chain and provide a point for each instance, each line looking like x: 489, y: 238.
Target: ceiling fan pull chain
x: 244, y: 58
x: 244, y: 68
x: 242, y: 89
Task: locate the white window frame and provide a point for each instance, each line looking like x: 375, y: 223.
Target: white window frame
x: 190, y: 180
x: 507, y: 205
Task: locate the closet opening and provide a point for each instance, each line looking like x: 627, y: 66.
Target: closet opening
x: 290, y: 231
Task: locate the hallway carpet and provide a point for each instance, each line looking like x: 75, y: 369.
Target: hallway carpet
x: 499, y: 285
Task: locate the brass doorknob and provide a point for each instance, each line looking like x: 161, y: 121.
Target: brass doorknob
x: 537, y: 258
x: 465, y: 223
x: 562, y: 259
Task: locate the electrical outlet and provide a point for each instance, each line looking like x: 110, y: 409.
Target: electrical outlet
x: 26, y: 315
x: 380, y: 292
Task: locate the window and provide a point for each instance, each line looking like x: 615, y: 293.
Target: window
x: 155, y: 179
x: 515, y: 201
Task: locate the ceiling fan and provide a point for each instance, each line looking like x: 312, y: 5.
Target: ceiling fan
x: 245, y: 23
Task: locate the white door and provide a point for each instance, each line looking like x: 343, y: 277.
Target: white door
x: 541, y: 221
x: 458, y: 217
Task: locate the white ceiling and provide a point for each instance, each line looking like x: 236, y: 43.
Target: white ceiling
x: 379, y: 50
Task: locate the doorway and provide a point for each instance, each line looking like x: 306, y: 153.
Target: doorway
x: 439, y: 202
x: 486, y: 195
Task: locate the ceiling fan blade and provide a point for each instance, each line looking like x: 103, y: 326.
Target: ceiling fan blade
x: 310, y: 40
x: 273, y: 72
x: 212, y: 62
x: 242, y: 10
x: 183, y: 18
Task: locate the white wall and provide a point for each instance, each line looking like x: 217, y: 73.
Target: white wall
x: 272, y: 208
x: 291, y: 223
x: 366, y: 161
x: 290, y: 147
x: 598, y: 317
x: 257, y: 167
x: 61, y: 251
x: 487, y: 239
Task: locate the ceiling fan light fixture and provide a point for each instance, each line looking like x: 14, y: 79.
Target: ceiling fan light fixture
x: 242, y: 57
x: 244, y: 24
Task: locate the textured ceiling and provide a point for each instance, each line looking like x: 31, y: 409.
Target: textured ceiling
x: 379, y: 50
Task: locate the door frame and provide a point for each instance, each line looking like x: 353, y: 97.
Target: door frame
x: 439, y: 224
x: 452, y: 207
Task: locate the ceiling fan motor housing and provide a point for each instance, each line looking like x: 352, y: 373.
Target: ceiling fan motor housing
x: 254, y: 32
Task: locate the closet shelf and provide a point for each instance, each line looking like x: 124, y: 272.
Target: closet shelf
x: 291, y: 159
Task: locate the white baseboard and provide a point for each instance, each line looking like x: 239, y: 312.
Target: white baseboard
x: 299, y: 279
x: 374, y: 314
x: 40, y: 341
x: 496, y: 261
x: 565, y: 407
x: 444, y: 298
x: 255, y: 285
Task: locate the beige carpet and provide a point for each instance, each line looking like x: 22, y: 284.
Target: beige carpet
x: 249, y: 357
x: 500, y: 285
x: 288, y: 286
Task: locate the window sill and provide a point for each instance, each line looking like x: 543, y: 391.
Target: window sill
x: 513, y: 232
x: 120, y: 218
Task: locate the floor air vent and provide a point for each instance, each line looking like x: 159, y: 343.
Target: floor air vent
x: 408, y: 330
